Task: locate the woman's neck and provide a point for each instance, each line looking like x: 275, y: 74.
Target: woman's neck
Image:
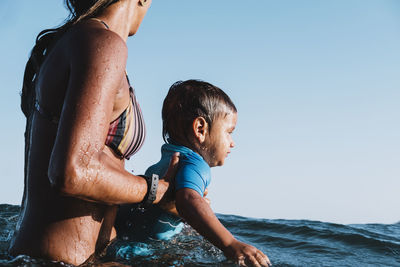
x: 119, y: 17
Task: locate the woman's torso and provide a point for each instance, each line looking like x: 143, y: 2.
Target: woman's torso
x: 52, y: 225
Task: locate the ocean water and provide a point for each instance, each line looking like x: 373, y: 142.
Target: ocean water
x: 286, y: 242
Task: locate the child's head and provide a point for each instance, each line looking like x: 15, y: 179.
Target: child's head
x: 200, y: 116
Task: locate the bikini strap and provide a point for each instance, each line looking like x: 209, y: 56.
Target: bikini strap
x: 102, y: 22
x: 127, y: 78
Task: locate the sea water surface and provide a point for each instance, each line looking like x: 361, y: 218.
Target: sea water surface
x: 286, y: 242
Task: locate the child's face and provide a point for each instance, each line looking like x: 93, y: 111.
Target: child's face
x: 219, y: 141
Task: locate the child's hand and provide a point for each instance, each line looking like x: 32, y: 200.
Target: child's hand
x: 246, y: 255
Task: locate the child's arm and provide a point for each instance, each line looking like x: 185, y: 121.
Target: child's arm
x: 196, y: 211
x: 171, y: 207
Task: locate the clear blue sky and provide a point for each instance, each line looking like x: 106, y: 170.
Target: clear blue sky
x: 316, y: 84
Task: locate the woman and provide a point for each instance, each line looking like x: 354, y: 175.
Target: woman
x: 74, y: 86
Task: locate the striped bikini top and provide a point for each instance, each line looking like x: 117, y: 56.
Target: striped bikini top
x: 126, y: 133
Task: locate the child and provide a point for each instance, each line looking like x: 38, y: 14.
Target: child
x: 198, y: 120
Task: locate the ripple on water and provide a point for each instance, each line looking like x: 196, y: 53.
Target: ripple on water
x: 286, y: 242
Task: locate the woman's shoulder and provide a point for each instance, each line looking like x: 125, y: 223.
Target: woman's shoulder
x: 85, y: 40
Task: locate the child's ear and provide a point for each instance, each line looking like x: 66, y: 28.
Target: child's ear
x: 200, y: 129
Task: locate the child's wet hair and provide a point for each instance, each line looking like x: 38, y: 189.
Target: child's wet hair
x: 188, y: 100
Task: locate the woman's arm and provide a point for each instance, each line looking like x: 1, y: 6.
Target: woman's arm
x: 79, y: 164
x: 196, y: 211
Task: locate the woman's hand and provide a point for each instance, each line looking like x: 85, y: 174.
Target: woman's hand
x: 246, y: 255
x: 165, y: 191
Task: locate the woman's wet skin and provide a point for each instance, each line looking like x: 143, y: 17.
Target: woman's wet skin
x: 74, y: 181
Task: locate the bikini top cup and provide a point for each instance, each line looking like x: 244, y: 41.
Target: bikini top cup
x: 126, y: 134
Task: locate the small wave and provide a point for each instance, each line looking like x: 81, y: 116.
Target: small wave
x: 286, y: 242
x: 334, y: 241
